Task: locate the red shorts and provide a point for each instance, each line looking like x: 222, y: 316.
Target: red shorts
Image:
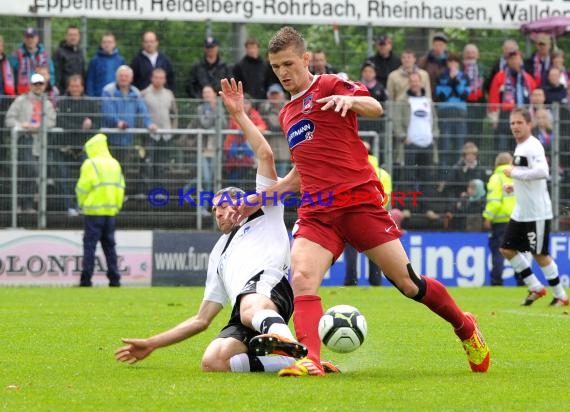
x: 364, y: 226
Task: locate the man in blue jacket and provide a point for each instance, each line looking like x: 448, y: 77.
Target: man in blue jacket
x: 103, y: 66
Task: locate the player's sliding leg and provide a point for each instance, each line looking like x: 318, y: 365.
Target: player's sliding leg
x: 247, y: 362
x: 276, y: 337
x: 392, y: 259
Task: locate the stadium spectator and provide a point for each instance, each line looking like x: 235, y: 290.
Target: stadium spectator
x: 376, y: 90
x: 558, y: 61
x: 476, y: 74
x: 68, y: 58
x: 554, y: 91
x: 509, y: 45
x: 542, y: 128
x: 77, y: 115
x: 253, y: 278
x: 498, y: 208
x: 467, y: 209
x: 510, y: 88
x: 30, y: 54
x: 397, y: 85
x: 537, y: 102
x: 206, y: 118
x: 385, y: 60
x: 100, y: 192
x: 103, y: 65
x: 252, y: 71
x: 435, y: 61
x: 7, y: 89
x: 451, y: 90
x: 350, y: 253
x: 208, y: 71
x: 148, y: 59
x: 163, y: 111
x: 416, y: 126
x: 326, y: 159
x: 529, y: 226
x: 269, y: 110
x: 465, y: 170
x: 26, y: 114
x: 319, y: 64
x: 538, y: 64
x: 52, y: 92
x: 239, y: 158
x: 122, y: 105
x: 368, y: 78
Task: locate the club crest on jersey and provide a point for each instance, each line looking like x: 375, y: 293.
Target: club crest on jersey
x: 299, y: 132
x: 307, y: 104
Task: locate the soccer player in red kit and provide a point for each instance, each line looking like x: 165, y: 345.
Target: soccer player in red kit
x: 331, y: 165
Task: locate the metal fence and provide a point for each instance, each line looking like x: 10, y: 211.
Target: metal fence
x: 167, y: 171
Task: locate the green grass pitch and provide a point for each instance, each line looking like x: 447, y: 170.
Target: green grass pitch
x: 56, y: 354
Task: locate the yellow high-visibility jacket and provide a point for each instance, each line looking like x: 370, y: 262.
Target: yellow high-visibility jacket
x: 500, y: 204
x: 100, y: 189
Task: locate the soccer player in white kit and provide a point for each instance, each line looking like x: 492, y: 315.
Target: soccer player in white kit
x: 248, y: 268
x: 529, y: 227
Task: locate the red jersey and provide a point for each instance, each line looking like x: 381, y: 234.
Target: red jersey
x: 325, y: 146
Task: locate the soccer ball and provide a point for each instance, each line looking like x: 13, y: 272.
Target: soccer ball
x: 342, y: 328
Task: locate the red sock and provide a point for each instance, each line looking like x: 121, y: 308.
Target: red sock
x: 438, y: 299
x: 308, y: 312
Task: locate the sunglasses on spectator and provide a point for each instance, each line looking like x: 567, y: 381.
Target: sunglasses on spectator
x: 38, y: 84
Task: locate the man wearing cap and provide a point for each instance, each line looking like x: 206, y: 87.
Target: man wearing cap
x: 539, y: 63
x: 252, y: 70
x: 384, y: 60
x: 26, y: 114
x: 207, y: 71
x: 435, y: 61
x: 29, y: 54
x: 510, y: 88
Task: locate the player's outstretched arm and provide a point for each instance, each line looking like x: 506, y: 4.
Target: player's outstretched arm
x: 138, y: 349
x: 232, y: 96
x: 365, y: 106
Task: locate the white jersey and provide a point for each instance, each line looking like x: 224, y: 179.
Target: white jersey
x: 259, y: 247
x: 530, y: 173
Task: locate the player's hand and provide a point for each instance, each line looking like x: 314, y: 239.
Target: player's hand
x: 487, y: 224
x: 508, y: 188
x: 340, y: 103
x: 136, y: 350
x: 232, y: 95
x: 246, y: 208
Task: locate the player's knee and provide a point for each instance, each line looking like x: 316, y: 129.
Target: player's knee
x: 305, y: 283
x: 212, y: 363
x: 409, y: 284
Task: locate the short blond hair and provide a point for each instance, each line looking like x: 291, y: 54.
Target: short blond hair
x: 503, y: 158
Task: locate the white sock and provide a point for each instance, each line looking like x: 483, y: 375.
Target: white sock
x: 274, y: 363
x: 520, y: 264
x: 269, y: 321
x: 551, y: 273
